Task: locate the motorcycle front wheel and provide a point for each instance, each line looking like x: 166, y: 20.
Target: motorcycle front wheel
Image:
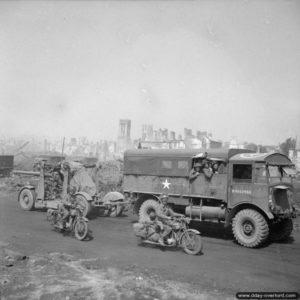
x: 191, y: 243
x: 81, y: 230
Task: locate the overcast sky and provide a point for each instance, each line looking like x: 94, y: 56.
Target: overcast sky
x: 74, y: 68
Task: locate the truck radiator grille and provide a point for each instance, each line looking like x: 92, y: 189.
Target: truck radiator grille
x: 281, y: 199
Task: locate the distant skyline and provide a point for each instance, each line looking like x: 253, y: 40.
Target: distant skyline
x: 74, y: 68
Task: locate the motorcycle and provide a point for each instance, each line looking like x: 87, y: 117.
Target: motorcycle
x: 180, y: 236
x: 75, y: 223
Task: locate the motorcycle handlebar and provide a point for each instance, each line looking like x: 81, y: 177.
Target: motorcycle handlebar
x: 183, y: 218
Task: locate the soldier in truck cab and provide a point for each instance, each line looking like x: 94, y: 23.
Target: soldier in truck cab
x: 215, y: 167
x: 201, y: 167
x: 195, y: 171
x: 207, y: 170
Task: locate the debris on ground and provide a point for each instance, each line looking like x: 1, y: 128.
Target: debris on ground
x: 62, y: 276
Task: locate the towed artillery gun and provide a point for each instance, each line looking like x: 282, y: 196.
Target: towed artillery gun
x: 63, y: 179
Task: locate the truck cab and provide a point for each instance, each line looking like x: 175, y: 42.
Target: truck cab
x: 252, y: 192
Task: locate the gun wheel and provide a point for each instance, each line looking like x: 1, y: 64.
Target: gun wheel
x: 84, y: 204
x: 26, y: 199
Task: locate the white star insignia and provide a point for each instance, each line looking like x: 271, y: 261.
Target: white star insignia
x: 166, y: 184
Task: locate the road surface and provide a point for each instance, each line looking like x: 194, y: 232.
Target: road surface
x: 224, y: 266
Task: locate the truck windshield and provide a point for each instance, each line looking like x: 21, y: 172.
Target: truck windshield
x: 274, y: 171
x: 280, y: 171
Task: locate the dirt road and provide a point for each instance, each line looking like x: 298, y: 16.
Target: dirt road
x: 224, y: 268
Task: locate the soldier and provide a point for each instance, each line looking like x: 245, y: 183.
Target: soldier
x: 165, y: 215
x: 64, y: 209
x: 156, y: 227
x: 215, y: 168
x: 207, y: 170
x: 195, y: 171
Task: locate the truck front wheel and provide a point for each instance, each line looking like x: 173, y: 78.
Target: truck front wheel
x: 250, y: 228
x: 146, y: 208
x: 281, y: 230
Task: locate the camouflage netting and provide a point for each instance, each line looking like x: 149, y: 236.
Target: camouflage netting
x: 82, y: 182
x: 108, y: 176
x: 104, y: 177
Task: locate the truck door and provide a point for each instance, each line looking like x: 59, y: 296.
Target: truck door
x: 241, y: 183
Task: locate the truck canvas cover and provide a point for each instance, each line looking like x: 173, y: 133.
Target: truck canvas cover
x: 173, y: 162
x: 276, y: 159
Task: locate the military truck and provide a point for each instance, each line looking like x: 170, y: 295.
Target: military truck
x: 252, y: 192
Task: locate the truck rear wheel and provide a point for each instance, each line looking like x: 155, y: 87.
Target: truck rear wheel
x: 27, y: 199
x: 281, y: 230
x: 250, y: 228
x: 146, y: 208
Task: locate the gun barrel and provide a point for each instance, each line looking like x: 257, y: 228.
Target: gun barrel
x: 20, y: 172
x: 30, y: 173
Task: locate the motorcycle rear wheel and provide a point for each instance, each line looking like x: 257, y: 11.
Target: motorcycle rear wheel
x: 81, y: 230
x: 191, y: 243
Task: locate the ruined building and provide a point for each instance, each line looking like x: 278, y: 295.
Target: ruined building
x: 124, y: 139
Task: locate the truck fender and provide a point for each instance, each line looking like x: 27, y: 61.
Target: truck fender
x: 112, y: 196
x: 231, y: 213
x: 30, y: 187
x: 85, y: 195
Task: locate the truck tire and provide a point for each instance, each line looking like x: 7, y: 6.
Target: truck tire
x: 145, y: 209
x: 26, y: 199
x: 84, y: 204
x: 250, y: 228
x: 281, y: 230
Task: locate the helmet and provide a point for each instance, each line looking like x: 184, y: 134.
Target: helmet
x: 164, y: 197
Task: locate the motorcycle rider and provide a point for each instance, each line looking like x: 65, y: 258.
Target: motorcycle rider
x: 165, y: 215
x: 156, y: 226
x: 64, y: 209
